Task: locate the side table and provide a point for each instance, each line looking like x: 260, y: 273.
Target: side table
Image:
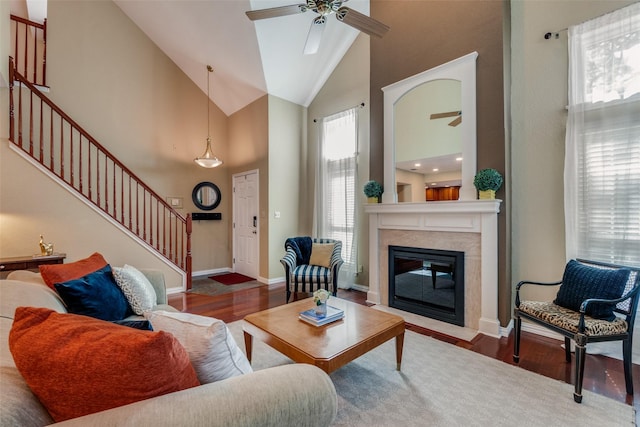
x: 28, y: 262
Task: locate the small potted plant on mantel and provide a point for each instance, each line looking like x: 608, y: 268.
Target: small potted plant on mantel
x: 487, y: 182
x: 373, y: 190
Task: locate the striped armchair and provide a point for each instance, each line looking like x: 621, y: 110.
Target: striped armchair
x: 304, y: 277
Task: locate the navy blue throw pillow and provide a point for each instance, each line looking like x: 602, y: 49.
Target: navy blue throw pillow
x: 302, y: 247
x: 144, y: 325
x: 95, y: 295
x: 581, y: 281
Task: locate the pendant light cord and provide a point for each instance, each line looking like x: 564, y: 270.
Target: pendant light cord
x: 210, y: 70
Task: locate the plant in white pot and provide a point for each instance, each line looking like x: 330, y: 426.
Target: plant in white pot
x: 373, y: 190
x: 487, y: 182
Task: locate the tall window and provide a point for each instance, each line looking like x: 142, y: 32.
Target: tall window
x: 335, y: 216
x: 602, y: 161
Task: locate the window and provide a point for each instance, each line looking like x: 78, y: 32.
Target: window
x: 336, y: 186
x: 602, y: 162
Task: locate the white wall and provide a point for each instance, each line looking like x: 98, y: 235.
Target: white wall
x: 538, y: 101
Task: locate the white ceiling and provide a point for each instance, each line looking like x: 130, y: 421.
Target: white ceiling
x: 249, y: 58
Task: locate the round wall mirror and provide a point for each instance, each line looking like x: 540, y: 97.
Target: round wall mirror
x: 206, y: 196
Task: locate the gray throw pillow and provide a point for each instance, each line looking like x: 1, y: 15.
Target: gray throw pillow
x: 136, y: 288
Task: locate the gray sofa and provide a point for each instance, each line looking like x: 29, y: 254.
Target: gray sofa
x: 271, y: 397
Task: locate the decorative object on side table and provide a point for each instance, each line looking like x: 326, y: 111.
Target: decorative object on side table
x: 487, y: 182
x: 373, y: 190
x: 46, y: 249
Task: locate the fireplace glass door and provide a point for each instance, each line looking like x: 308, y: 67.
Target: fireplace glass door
x: 428, y: 282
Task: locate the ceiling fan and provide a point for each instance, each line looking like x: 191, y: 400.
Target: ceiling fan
x: 455, y: 122
x: 324, y: 8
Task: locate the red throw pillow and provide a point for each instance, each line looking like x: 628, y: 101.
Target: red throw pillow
x: 77, y: 365
x: 58, y: 273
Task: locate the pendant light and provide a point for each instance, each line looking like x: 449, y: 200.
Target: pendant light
x: 208, y: 159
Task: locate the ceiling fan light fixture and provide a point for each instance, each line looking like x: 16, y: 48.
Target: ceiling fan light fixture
x: 324, y: 8
x: 208, y: 159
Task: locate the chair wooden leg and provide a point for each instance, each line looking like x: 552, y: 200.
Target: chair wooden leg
x: 628, y: 364
x: 288, y: 296
x: 516, y: 339
x: 581, y: 351
x: 567, y: 349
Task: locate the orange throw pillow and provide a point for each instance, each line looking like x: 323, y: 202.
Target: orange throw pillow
x: 77, y: 365
x: 58, y: 273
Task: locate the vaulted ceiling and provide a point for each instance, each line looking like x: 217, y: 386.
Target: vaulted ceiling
x: 250, y: 58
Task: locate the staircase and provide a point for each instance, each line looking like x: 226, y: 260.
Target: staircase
x: 41, y: 130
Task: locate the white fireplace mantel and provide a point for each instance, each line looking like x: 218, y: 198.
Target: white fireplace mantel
x: 470, y: 216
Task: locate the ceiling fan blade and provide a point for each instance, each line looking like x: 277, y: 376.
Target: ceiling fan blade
x: 455, y: 122
x: 274, y: 12
x: 447, y: 114
x: 315, y: 35
x: 361, y: 22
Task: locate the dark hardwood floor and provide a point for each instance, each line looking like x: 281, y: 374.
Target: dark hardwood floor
x: 603, y: 375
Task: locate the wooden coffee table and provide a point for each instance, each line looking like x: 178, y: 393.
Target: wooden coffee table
x: 330, y: 346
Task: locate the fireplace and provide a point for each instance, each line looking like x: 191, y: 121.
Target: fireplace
x: 428, y: 282
x: 467, y: 226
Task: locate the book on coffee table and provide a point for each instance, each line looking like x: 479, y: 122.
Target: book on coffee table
x: 332, y: 315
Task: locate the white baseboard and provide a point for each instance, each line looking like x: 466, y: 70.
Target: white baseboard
x: 540, y: 330
x: 201, y: 273
x: 357, y: 287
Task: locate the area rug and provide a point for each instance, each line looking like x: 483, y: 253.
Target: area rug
x: 206, y: 286
x: 444, y: 385
x: 231, y: 278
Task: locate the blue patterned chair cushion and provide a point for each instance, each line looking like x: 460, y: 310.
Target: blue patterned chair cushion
x: 581, y: 282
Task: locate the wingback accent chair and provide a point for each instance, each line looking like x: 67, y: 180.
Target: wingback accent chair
x: 595, y: 302
x: 308, y: 271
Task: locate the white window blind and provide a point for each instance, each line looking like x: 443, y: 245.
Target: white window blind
x: 602, y: 161
x: 336, y: 189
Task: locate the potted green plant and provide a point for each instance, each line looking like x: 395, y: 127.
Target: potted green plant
x: 373, y: 190
x: 487, y: 182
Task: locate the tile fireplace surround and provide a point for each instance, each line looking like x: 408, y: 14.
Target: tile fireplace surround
x: 469, y: 226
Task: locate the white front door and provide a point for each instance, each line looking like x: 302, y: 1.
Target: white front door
x: 245, y: 224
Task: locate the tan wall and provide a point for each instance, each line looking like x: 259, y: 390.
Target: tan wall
x: 123, y: 90
x: 539, y: 97
x: 287, y: 128
x: 412, y: 186
x: 5, y: 51
x: 425, y: 34
x: 33, y: 204
x: 249, y: 150
x: 347, y: 87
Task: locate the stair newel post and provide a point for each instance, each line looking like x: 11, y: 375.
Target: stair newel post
x: 188, y: 258
x: 11, y: 116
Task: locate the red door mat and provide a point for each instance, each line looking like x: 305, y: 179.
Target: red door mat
x: 231, y: 278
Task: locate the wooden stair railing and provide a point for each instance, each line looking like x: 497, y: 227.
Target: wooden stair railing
x: 49, y: 136
x: 29, y: 49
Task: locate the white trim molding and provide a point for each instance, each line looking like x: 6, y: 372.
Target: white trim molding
x: 469, y: 226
